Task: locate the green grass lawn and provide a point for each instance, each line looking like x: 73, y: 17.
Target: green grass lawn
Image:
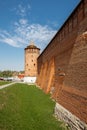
x: 4, y: 82
x: 24, y: 107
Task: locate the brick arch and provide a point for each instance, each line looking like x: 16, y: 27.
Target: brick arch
x: 50, y: 75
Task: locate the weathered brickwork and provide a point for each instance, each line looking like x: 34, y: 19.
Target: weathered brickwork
x: 72, y: 121
x: 31, y: 55
x: 62, y: 66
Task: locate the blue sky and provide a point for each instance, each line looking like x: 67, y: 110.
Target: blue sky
x: 23, y: 21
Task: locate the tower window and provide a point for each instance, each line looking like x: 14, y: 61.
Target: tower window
x: 34, y: 64
x: 31, y: 55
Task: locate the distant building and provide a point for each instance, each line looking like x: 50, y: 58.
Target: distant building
x: 31, y: 54
x: 21, y: 76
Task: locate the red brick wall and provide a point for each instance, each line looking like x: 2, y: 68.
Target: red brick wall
x: 62, y: 66
x: 31, y: 55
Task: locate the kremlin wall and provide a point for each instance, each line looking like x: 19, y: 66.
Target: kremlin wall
x: 62, y: 69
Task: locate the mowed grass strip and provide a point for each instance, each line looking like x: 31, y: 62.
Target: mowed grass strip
x: 24, y: 107
x: 4, y: 82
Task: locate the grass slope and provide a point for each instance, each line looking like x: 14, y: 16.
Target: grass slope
x: 24, y: 107
x: 4, y: 82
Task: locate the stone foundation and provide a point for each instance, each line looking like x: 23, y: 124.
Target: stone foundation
x: 74, y: 122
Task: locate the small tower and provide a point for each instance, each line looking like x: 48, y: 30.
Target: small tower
x: 31, y: 55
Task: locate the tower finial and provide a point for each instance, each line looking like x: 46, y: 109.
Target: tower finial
x: 32, y: 43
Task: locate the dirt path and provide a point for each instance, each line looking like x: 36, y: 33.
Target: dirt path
x: 6, y: 85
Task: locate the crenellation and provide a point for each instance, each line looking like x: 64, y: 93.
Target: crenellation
x: 85, y: 10
x: 70, y: 25
x: 80, y: 15
x: 66, y: 29
x: 75, y: 20
x: 62, y: 67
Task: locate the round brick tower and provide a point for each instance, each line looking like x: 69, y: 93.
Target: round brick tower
x: 31, y: 55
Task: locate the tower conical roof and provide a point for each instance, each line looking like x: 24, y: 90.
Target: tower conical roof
x: 32, y: 46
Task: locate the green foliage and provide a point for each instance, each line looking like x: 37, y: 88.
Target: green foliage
x: 24, y: 107
x: 9, y: 73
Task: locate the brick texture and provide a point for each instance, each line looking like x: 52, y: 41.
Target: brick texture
x: 31, y: 55
x: 62, y: 66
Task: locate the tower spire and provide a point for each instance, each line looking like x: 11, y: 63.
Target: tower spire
x: 32, y: 43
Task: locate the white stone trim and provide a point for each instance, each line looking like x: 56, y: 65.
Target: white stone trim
x: 74, y: 122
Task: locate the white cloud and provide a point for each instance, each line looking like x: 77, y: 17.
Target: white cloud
x: 23, y: 21
x: 10, y: 42
x: 53, y: 23
x: 22, y: 10
x: 23, y: 33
